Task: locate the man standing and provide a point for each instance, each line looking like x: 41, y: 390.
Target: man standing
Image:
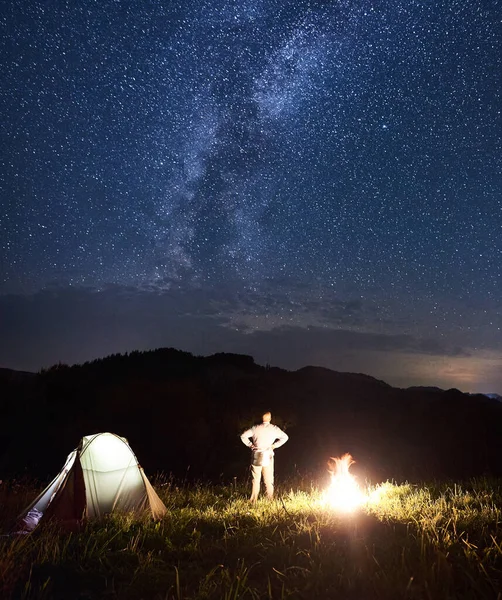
x: 263, y: 439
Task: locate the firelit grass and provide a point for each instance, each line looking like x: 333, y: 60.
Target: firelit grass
x: 437, y: 541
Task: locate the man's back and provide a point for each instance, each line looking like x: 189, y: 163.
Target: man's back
x: 264, y: 436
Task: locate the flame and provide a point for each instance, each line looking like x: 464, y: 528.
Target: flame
x: 343, y: 493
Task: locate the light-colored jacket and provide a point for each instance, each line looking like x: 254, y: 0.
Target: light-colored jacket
x: 264, y: 437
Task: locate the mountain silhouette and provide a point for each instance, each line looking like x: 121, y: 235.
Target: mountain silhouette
x: 183, y: 414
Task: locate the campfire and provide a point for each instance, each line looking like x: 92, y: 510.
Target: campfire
x: 343, y: 493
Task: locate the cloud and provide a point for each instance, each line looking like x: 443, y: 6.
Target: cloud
x: 75, y: 325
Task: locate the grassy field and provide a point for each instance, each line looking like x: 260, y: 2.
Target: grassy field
x: 433, y: 541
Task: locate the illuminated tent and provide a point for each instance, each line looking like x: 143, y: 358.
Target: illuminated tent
x: 100, y: 476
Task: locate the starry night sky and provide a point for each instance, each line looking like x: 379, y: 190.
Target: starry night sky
x: 310, y: 182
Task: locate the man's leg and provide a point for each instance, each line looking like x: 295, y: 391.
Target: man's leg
x: 256, y: 475
x: 268, y: 478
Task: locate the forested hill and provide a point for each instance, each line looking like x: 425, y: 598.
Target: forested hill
x: 183, y: 414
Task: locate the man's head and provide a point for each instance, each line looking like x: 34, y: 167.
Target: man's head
x: 267, y: 417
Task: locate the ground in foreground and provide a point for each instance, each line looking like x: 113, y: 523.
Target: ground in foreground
x: 431, y: 541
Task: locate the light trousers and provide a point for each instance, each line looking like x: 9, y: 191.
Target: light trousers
x: 268, y: 478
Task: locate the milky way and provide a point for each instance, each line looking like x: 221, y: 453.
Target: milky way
x: 305, y: 156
